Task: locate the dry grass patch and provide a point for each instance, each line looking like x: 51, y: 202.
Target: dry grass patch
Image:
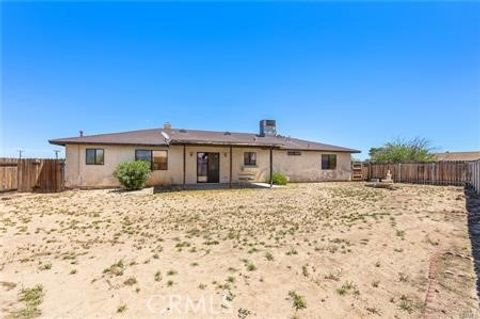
x: 334, y: 250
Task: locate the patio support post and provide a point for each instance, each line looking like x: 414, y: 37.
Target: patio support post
x: 184, y: 164
x: 271, y: 167
x: 231, y: 161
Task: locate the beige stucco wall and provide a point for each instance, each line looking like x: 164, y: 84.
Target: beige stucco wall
x: 260, y: 173
x: 308, y: 166
x: 78, y: 174
x: 304, y: 168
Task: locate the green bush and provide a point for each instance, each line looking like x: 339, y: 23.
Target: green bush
x: 399, y: 150
x: 279, y: 179
x: 133, y: 174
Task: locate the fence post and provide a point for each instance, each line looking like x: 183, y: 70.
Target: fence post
x: 400, y: 172
x: 433, y: 174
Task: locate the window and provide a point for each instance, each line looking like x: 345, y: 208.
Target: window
x: 329, y: 161
x: 294, y: 153
x: 94, y: 156
x: 250, y: 158
x: 143, y: 155
x: 158, y: 159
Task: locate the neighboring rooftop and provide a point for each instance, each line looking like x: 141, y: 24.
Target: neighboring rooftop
x: 458, y: 156
x: 171, y: 136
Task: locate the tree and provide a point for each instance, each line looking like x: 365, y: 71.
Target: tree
x: 399, y: 150
x: 133, y: 174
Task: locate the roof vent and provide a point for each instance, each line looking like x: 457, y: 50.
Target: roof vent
x: 80, y: 133
x: 268, y: 128
x: 228, y: 133
x: 167, y: 126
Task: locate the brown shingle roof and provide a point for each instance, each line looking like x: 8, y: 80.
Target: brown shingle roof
x: 457, y: 156
x: 154, y: 137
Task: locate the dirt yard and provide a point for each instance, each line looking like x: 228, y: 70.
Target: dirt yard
x: 331, y: 250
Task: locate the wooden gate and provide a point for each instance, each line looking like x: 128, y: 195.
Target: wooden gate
x: 31, y: 175
x: 8, y: 174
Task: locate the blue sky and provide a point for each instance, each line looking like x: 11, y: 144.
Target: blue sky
x: 351, y: 74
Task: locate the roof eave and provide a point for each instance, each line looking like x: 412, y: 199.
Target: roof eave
x: 353, y: 151
x: 220, y: 143
x: 56, y: 142
x: 323, y: 150
x: 63, y: 143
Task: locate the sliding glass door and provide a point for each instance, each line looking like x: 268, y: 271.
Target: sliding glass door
x: 208, y: 167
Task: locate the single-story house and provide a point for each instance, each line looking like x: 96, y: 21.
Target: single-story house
x: 457, y: 156
x: 183, y: 156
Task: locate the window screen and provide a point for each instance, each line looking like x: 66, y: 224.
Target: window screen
x: 329, y: 161
x: 94, y: 156
x: 250, y: 158
x: 158, y: 159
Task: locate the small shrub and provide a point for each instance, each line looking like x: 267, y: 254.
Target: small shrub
x: 46, y: 266
x: 291, y: 252
x: 298, y: 300
x: 251, y: 266
x: 116, y: 269
x: 406, y: 304
x: 305, y: 270
x: 32, y: 297
x: 130, y: 281
x: 133, y: 174
x: 342, y: 291
x: 121, y: 308
x: 243, y: 313
x: 230, y: 296
x: 348, y: 287
x: 269, y: 256
x: 400, y: 233
x: 402, y: 277
x: 332, y: 276
x: 373, y: 310
x: 279, y: 179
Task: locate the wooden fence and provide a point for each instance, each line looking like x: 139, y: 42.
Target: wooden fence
x: 437, y: 173
x: 475, y: 181
x: 31, y: 175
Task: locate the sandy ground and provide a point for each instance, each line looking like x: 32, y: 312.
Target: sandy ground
x: 330, y: 250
